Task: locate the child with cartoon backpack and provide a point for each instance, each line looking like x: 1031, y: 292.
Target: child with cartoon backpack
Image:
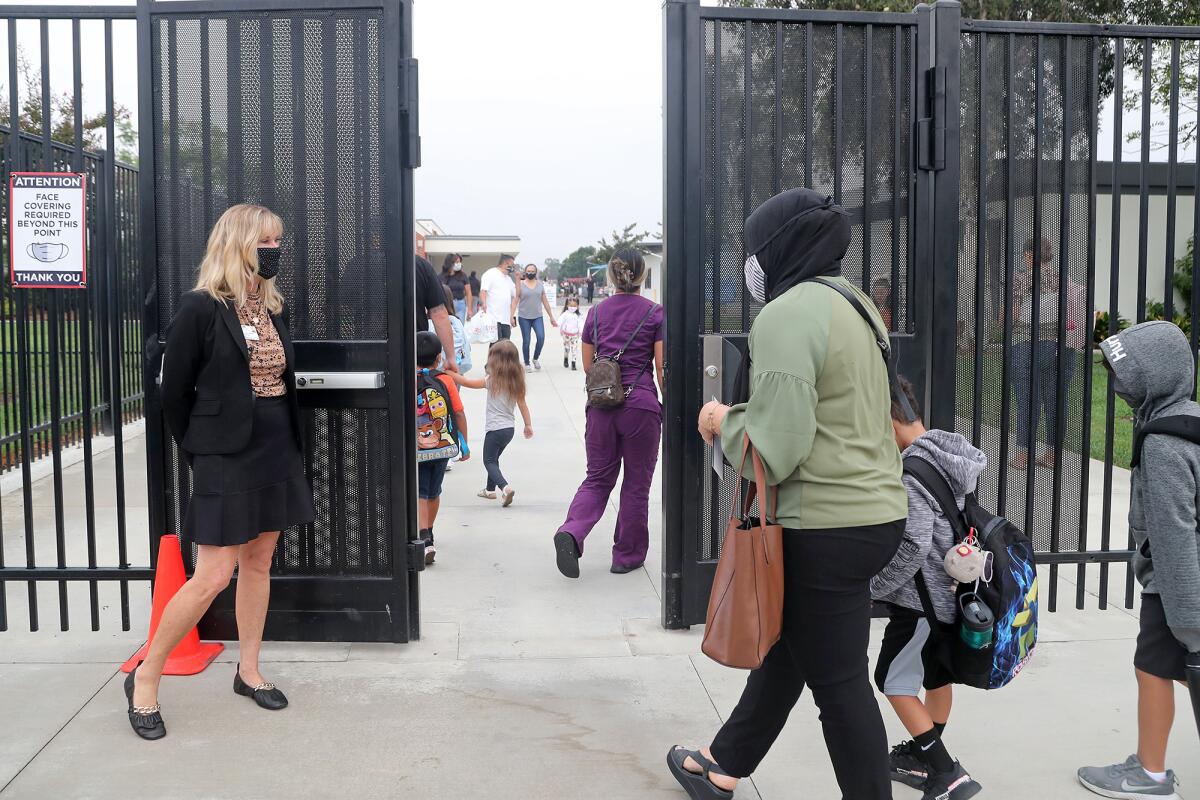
x: 441, y: 428
x: 1151, y: 367
x: 570, y: 325
x: 505, y: 385
x: 908, y: 658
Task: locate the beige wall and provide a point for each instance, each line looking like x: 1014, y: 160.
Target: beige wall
x: 1156, y: 248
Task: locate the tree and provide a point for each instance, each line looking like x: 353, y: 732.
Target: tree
x: 552, y: 268
x: 629, y: 236
x: 62, y: 117
x: 576, y: 264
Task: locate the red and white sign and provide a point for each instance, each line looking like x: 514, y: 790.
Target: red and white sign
x: 47, y: 230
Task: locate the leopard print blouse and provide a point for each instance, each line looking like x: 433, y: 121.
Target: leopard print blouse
x: 267, y: 358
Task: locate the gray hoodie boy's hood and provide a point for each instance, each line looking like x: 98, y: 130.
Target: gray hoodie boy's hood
x: 954, y: 456
x: 1155, y: 373
x: 1154, y: 369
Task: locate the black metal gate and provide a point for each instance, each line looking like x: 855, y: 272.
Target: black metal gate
x: 948, y: 142
x: 310, y: 109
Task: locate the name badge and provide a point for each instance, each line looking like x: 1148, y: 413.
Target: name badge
x: 250, y: 333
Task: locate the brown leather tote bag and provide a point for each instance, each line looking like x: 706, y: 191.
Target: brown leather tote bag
x: 745, y: 607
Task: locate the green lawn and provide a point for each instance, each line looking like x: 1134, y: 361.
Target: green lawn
x: 992, y: 367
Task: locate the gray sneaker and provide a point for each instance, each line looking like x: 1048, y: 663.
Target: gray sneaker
x: 1128, y: 781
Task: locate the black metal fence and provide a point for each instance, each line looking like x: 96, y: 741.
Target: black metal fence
x: 956, y: 145
x: 48, y: 308
x: 70, y: 359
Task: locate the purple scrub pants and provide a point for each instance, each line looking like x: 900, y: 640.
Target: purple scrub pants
x: 616, y: 437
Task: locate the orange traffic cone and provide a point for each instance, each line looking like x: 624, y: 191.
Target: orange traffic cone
x: 190, y: 655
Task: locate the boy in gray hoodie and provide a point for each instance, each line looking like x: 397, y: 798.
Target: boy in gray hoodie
x: 907, y: 660
x: 1152, y: 368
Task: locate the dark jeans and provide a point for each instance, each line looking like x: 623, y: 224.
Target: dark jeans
x: 503, y: 331
x: 1037, y: 394
x: 494, y: 443
x: 826, y: 627
x: 537, y: 326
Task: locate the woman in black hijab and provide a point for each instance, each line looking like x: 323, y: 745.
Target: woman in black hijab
x: 818, y: 413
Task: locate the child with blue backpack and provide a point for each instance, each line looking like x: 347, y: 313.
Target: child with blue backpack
x: 1151, y: 367
x: 908, y: 660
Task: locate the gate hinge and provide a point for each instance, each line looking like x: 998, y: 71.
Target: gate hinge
x: 416, y: 555
x: 410, y: 112
x: 931, y: 128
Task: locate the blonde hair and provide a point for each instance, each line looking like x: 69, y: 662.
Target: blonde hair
x: 505, y: 374
x: 231, y: 259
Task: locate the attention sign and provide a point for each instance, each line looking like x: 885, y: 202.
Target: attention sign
x: 47, y: 230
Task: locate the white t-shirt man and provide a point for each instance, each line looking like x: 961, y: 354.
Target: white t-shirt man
x: 500, y: 291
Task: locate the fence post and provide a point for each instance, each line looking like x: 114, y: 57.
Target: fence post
x: 105, y: 316
x: 943, y: 95
x: 681, y: 265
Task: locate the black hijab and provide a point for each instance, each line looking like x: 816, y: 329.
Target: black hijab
x: 797, y: 235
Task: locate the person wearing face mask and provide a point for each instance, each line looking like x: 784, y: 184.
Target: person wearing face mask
x: 229, y: 399
x: 531, y: 301
x: 498, y: 296
x: 460, y: 285
x: 819, y: 416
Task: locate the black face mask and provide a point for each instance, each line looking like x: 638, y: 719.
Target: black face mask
x: 268, y: 262
x: 530, y: 276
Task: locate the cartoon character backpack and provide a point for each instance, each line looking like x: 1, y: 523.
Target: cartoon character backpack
x: 1011, y: 594
x: 437, y: 436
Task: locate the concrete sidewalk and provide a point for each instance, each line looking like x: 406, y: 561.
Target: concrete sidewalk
x: 524, y: 685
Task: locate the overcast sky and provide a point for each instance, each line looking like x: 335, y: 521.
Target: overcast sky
x: 539, y: 118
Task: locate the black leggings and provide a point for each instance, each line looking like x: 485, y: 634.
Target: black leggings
x: 494, y: 443
x: 826, y: 627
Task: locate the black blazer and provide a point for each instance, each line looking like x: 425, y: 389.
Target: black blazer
x: 206, y: 394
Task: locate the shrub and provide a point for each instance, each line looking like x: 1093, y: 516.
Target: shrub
x: 1101, y: 331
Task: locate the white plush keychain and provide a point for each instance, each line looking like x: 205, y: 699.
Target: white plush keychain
x: 966, y: 562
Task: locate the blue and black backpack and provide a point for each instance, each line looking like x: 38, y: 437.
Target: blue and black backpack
x: 1011, y: 594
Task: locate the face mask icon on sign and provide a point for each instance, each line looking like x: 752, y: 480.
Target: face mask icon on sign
x: 47, y: 252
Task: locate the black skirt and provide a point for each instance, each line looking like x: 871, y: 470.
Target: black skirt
x: 262, y: 488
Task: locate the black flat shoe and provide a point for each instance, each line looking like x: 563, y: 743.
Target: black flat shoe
x: 146, y: 721
x: 568, y: 554
x: 697, y: 785
x: 618, y: 569
x: 265, y: 694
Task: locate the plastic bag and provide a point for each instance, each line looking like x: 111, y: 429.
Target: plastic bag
x: 482, y: 328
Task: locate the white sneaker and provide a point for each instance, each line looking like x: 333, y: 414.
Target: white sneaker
x: 537, y: 364
x: 430, y: 553
x: 449, y: 466
x: 528, y: 368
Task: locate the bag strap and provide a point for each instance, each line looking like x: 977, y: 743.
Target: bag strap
x: 628, y: 342
x: 926, y: 600
x: 885, y: 347
x: 759, y: 488
x: 1183, y: 426
x: 935, y: 483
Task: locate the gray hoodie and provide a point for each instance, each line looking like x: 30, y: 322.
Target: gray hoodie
x: 927, y: 534
x: 1154, y: 372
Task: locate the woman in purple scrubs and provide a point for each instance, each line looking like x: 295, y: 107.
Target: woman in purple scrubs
x: 624, y: 436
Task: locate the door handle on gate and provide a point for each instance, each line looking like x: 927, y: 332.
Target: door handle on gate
x: 340, y: 380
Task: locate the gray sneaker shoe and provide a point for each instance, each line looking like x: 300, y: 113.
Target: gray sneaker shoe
x: 1128, y: 781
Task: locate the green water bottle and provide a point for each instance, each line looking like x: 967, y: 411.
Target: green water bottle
x: 976, y: 621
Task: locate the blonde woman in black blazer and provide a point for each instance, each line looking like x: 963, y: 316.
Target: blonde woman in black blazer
x: 229, y: 398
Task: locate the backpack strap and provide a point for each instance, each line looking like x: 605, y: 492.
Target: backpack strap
x: 885, y: 347
x: 1183, y: 426
x: 935, y: 483
x: 645, y: 366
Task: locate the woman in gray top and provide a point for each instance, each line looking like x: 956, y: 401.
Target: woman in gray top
x: 531, y: 299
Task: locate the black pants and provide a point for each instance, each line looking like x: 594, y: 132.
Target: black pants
x: 826, y: 627
x: 502, y: 332
x: 494, y: 443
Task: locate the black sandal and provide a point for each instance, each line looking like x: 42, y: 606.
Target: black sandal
x: 698, y: 785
